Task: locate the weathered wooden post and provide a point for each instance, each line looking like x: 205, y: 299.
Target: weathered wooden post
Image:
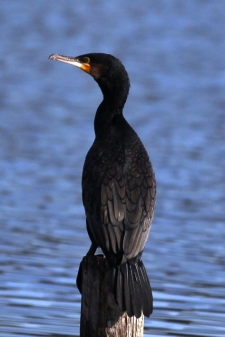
x: 100, y: 315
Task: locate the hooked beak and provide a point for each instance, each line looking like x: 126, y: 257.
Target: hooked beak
x: 82, y: 63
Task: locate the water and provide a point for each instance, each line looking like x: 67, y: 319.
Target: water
x: 174, y: 53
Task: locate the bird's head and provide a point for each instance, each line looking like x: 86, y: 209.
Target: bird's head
x: 107, y: 70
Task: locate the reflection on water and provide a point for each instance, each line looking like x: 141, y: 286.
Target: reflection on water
x: 173, y: 51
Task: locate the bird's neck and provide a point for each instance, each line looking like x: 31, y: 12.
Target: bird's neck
x: 104, y: 117
x: 111, y: 107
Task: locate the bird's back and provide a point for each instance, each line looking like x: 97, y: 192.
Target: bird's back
x: 118, y: 193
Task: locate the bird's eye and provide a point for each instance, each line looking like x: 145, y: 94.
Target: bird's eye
x: 84, y: 60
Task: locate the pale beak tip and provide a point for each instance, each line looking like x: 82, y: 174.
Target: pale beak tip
x: 52, y: 57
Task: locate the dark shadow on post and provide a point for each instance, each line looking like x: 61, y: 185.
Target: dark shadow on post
x: 100, y: 315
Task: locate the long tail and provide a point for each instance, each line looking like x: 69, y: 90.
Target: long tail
x: 132, y: 289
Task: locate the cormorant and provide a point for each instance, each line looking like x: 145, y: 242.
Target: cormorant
x: 118, y: 186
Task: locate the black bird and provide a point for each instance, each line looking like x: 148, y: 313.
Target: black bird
x: 118, y: 186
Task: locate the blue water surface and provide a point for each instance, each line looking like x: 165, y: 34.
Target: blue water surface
x: 174, y: 53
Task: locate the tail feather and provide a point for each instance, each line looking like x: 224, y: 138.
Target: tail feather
x: 126, y: 289
x: 135, y: 293
x: 118, y: 290
x: 132, y: 289
x: 147, y: 295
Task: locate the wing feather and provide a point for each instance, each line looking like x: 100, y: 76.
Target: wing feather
x: 119, y: 201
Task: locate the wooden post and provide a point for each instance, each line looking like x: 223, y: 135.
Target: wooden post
x: 100, y: 316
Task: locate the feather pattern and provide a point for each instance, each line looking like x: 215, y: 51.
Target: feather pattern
x: 119, y: 200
